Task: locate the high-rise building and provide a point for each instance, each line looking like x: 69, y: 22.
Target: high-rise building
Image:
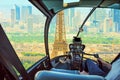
x: 12, y: 17
x: 26, y: 11
x: 111, y: 16
x: 24, y: 14
x: 119, y: 27
x: 30, y: 9
x: 108, y: 27
x: 116, y: 15
x: 77, y: 17
x: 97, y: 19
x: 98, y: 16
x: 30, y: 24
x: 117, y: 20
x: 17, y: 12
x: 66, y: 17
x: 72, y: 14
x: 27, y: 18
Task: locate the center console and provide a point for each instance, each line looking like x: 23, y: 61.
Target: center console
x: 76, y: 54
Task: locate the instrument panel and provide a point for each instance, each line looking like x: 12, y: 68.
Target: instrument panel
x: 76, y: 47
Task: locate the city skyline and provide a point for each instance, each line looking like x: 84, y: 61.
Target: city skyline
x: 5, y: 8
x: 73, y: 19
x: 98, y: 21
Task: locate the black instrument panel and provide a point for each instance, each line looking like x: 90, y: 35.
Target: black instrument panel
x: 76, y: 53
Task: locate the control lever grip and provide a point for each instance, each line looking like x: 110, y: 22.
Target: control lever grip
x: 96, y: 55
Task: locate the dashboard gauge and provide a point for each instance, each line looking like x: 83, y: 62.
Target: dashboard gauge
x: 78, y: 47
x: 76, y: 50
x: 71, y: 46
x: 72, y: 50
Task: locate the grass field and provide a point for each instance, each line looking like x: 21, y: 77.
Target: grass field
x: 28, y: 59
x: 30, y: 46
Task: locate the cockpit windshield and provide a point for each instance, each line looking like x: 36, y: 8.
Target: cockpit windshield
x: 100, y: 32
x: 24, y: 26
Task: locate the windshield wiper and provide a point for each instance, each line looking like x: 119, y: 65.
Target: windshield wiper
x: 93, y: 9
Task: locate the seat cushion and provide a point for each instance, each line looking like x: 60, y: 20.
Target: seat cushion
x: 114, y: 73
x: 53, y: 75
x: 66, y: 71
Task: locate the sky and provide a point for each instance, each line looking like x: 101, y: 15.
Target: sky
x: 7, y: 5
x: 4, y: 4
x: 24, y: 2
x: 12, y: 2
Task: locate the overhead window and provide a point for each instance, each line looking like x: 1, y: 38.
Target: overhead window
x: 71, y: 1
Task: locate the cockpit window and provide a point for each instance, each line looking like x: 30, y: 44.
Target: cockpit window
x: 64, y: 26
x: 70, y: 1
x: 100, y: 33
x: 24, y: 26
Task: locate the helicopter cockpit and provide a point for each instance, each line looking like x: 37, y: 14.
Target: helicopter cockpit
x: 59, y: 39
